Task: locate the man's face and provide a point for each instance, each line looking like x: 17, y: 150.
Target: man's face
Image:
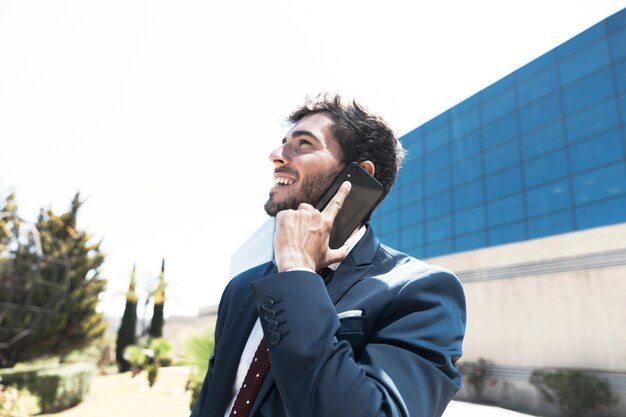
x: 305, y: 164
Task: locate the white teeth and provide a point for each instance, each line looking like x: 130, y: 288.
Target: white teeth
x: 282, y: 181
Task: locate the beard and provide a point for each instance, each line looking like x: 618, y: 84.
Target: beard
x: 311, y: 190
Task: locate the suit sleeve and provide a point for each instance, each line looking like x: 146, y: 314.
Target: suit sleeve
x: 405, y: 369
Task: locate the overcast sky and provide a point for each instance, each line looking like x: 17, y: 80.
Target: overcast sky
x: 163, y: 113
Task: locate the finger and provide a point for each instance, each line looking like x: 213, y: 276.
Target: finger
x: 306, y: 207
x: 337, y: 255
x: 336, y: 203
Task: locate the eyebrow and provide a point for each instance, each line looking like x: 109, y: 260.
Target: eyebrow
x: 297, y: 133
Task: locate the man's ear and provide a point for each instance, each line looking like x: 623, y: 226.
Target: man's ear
x: 368, y: 166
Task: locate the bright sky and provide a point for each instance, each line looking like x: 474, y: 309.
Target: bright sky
x: 162, y: 114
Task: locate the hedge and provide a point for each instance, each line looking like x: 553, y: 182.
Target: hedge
x: 58, y: 387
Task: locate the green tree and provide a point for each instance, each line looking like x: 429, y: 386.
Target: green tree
x: 156, y: 325
x: 75, y: 322
x: 127, y: 333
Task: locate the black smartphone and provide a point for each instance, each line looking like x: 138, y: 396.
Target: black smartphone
x: 364, y: 196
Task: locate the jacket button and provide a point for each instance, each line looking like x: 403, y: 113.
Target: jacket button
x: 267, y: 304
x: 272, y: 325
x: 269, y: 315
x: 274, y: 338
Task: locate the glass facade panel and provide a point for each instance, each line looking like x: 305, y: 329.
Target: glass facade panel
x: 437, y: 205
x: 537, y: 87
x: 471, y: 241
x: 471, y: 220
x: 467, y: 170
x: 501, y: 157
x: 498, y: 106
x: 539, y: 113
x: 543, y: 140
x: 500, y: 131
x: 437, y: 160
x: 588, y: 91
x: 466, y: 147
x: 507, y: 234
x: 585, y: 62
x: 597, y: 151
x: 468, y: 195
x: 465, y: 123
x: 545, y: 169
x: 550, y: 225
x: 601, y: 183
x: 503, y: 183
x: 547, y: 199
x: 506, y: 210
x: 591, y: 120
x: 540, y: 152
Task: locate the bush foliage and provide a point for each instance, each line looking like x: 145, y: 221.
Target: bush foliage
x: 58, y: 387
x: 574, y: 391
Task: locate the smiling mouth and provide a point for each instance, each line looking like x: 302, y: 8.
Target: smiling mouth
x: 282, y: 181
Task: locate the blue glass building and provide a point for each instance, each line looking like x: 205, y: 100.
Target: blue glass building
x: 538, y: 153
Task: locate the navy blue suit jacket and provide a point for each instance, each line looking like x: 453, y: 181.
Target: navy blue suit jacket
x: 396, y: 359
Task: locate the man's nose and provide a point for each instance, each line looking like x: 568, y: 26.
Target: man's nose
x: 278, y: 156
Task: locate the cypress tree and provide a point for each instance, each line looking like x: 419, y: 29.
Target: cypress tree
x: 127, y: 333
x: 156, y: 325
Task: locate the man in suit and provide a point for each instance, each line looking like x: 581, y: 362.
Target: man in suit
x: 378, y: 336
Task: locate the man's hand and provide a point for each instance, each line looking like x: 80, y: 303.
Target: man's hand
x: 301, y: 236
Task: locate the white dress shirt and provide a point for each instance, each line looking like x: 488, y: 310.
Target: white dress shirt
x: 257, y: 331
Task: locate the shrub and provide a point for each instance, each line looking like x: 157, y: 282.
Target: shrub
x: 198, y: 349
x: 17, y: 403
x: 58, y: 388
x: 477, y: 375
x: 574, y: 391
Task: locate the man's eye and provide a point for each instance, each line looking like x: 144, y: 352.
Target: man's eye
x: 304, y: 142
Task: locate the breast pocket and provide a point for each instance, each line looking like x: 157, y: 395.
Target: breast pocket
x: 352, y: 331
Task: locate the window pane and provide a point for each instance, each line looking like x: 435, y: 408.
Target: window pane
x: 413, y: 142
x: 471, y: 241
x: 546, y: 168
x: 497, y: 87
x: 471, y: 220
x: 505, y: 234
x: 503, y: 183
x: 466, y: 146
x: 502, y: 156
x: 438, y: 182
x: 539, y: 113
x: 620, y: 73
x: 436, y: 138
x: 582, y: 40
x: 537, y: 87
x: 468, y: 170
x: 500, y: 131
x: 553, y: 197
x: 537, y: 66
x: 439, y: 229
x: 584, y: 62
x: 550, y: 225
x: 587, y: 91
x: 603, y: 213
x: 412, y: 214
x: 498, y: 106
x: 389, y: 222
x: 437, y: 160
x: 391, y: 239
x: 437, y: 205
x: 506, y: 210
x: 543, y: 140
x: 597, y: 151
x: 412, y: 235
x: 439, y: 248
x: 618, y: 44
x: 592, y: 120
x: 468, y: 194
x: 411, y: 192
x: 465, y: 123
x: 602, y: 183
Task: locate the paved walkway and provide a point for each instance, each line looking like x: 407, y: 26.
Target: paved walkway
x: 120, y: 395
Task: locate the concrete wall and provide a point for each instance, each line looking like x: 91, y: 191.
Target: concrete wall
x: 559, y: 301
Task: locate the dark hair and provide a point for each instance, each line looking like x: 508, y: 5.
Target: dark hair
x: 361, y: 135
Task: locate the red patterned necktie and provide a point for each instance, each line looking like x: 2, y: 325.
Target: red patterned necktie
x: 252, y: 382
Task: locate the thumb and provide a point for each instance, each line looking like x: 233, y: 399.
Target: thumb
x: 337, y: 255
